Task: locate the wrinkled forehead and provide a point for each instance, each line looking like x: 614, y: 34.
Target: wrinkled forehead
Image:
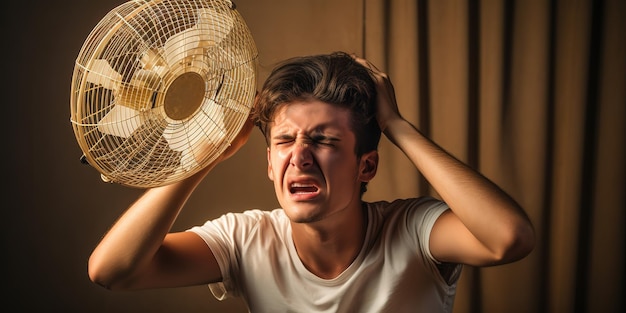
x: 311, y: 114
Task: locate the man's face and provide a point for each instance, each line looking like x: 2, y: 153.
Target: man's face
x: 312, y: 161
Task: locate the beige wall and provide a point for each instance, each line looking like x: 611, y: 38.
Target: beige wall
x: 57, y: 209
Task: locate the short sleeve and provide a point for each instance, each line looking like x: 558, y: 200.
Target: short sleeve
x: 218, y: 235
x: 433, y: 211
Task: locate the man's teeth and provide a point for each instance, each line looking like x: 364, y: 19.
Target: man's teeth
x: 302, y: 188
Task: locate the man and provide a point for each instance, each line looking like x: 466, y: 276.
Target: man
x: 324, y: 250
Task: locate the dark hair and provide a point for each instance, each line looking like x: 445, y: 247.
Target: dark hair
x: 335, y: 78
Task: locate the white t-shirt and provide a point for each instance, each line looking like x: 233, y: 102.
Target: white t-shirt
x: 394, y: 271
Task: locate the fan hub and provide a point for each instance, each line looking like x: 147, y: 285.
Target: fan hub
x: 184, y: 96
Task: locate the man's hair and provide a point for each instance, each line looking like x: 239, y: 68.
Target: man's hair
x: 335, y: 78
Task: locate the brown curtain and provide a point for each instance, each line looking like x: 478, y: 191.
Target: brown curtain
x: 532, y: 94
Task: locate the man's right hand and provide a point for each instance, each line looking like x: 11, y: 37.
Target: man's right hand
x: 238, y: 142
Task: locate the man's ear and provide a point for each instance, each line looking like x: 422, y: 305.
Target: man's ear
x: 368, y: 166
x: 270, y: 170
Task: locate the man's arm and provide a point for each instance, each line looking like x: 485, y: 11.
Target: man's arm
x: 138, y: 251
x: 485, y: 226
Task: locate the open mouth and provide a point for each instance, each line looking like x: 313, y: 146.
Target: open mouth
x: 299, y: 188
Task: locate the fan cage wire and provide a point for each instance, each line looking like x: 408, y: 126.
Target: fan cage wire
x: 143, y: 158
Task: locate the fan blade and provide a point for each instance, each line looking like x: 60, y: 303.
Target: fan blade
x: 121, y: 121
x: 101, y: 73
x: 129, y: 100
x: 139, y: 93
x: 203, y: 132
x: 237, y: 106
x: 215, y: 26
x: 152, y: 60
x: 210, y: 29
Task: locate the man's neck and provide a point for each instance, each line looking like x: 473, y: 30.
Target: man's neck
x: 328, y: 247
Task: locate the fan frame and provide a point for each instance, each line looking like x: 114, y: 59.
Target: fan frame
x: 80, y: 85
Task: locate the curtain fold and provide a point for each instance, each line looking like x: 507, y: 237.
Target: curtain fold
x: 530, y: 93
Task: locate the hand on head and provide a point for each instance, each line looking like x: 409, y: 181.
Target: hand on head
x: 387, y: 107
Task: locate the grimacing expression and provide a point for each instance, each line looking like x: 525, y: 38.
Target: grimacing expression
x: 312, y: 160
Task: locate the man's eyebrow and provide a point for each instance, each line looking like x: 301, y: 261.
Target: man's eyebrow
x: 313, y: 136
x: 283, y: 136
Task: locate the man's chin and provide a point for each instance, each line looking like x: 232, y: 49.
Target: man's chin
x: 302, y: 215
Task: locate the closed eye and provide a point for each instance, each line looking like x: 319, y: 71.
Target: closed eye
x: 315, y: 140
x: 324, y: 140
x: 283, y: 142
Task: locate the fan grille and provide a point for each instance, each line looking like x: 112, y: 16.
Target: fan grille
x: 161, y: 88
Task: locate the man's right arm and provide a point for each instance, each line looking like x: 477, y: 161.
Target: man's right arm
x: 139, y: 252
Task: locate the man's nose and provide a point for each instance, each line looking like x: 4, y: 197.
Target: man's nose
x: 301, y: 155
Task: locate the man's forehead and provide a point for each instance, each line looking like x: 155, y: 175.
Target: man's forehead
x: 310, y: 115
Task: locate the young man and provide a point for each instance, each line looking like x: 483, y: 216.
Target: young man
x: 324, y: 250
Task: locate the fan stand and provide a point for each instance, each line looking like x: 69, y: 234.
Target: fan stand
x: 184, y: 96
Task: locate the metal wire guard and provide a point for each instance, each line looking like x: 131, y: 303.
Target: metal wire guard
x: 160, y: 88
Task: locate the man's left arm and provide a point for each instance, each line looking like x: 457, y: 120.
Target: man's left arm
x: 485, y: 226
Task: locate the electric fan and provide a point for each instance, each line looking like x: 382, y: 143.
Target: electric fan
x: 161, y: 87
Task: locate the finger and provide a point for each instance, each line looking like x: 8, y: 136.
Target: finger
x: 369, y: 65
x: 361, y: 61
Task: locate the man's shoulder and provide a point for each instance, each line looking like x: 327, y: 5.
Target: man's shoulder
x: 401, y: 211
x: 419, y: 203
x: 258, y: 219
x: 248, y: 219
x: 259, y: 214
